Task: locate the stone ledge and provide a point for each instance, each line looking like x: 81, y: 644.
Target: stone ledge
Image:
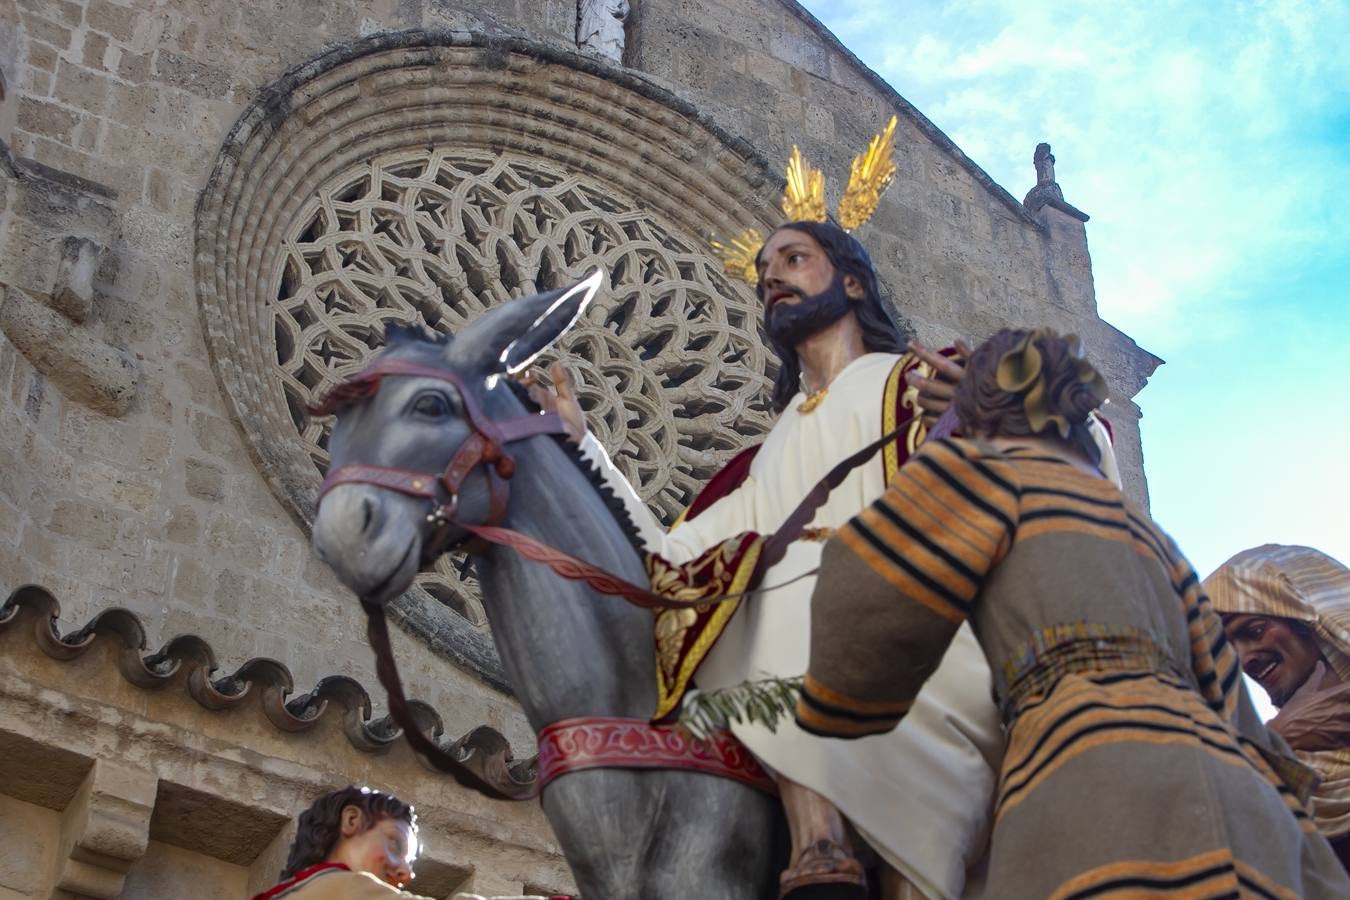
x: 211, y: 768
x: 1039, y: 197
x: 86, y: 370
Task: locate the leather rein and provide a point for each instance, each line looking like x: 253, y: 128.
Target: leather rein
x: 486, y: 448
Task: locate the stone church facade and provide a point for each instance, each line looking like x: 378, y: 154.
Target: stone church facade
x: 209, y: 212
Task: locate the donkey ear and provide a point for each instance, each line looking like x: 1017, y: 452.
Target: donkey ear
x: 508, y: 338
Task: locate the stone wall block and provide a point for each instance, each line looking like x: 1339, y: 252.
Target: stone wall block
x: 192, y: 76
x: 47, y: 31
x: 750, y: 27
x: 11, y: 522
x: 86, y: 370
x: 73, y: 292
x: 804, y: 53
x: 205, y: 481
x: 819, y: 123
x: 182, y: 525
x: 87, y: 135
x: 105, y: 829
x: 766, y: 68
x: 95, y: 50
x: 112, y: 487
x: 66, y: 12
x: 37, y: 83
x: 262, y: 874
x: 232, y: 537
x: 85, y: 524
x: 47, y: 119
x: 75, y: 162
x: 134, y: 67
x: 81, y: 87
x: 111, y: 19
x: 156, y: 236
x: 159, y: 190
x: 43, y: 57
x: 214, y: 434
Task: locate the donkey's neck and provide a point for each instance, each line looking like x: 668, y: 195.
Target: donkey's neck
x: 568, y: 651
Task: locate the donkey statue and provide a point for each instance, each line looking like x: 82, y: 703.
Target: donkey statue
x: 567, y: 650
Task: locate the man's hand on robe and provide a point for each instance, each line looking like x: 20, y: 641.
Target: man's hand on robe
x: 935, y: 394
x: 561, y: 400
x: 1317, y: 717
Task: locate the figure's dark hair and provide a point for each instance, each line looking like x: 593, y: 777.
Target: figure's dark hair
x: 984, y: 408
x: 880, y: 333
x: 320, y: 826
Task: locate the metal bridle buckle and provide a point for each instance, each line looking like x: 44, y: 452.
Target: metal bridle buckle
x: 442, y: 513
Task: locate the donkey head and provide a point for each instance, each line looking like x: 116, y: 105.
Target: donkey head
x: 403, y: 428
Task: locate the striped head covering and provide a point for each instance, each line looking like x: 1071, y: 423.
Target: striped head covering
x: 1292, y: 583
x: 1307, y: 585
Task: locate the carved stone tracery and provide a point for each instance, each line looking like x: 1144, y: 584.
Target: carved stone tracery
x: 668, y: 363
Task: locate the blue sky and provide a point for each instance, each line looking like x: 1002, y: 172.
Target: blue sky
x: 1210, y: 143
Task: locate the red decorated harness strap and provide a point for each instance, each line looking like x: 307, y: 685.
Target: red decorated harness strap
x: 602, y: 742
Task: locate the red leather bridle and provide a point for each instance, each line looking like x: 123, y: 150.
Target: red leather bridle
x: 484, y: 447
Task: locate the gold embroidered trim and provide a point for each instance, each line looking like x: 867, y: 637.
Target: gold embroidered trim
x: 910, y: 401
x: 667, y: 700
x: 890, y: 419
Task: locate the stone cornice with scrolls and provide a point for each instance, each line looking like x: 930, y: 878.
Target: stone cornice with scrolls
x: 485, y: 750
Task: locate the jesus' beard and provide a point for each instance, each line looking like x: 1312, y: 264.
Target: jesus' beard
x: 791, y: 323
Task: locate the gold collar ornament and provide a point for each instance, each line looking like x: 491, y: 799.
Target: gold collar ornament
x: 804, y: 201
x: 813, y: 400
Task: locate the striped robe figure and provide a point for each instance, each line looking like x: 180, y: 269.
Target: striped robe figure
x: 1135, y: 764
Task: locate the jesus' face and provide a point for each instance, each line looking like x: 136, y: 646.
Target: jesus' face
x: 803, y: 292
x: 792, y: 264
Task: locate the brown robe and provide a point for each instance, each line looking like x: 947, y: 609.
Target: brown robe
x: 1135, y: 762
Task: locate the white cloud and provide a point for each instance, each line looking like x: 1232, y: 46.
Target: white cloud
x: 1178, y: 126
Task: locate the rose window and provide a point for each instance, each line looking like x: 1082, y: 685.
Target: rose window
x: 669, y: 366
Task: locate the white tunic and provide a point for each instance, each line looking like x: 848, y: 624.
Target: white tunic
x: 921, y: 795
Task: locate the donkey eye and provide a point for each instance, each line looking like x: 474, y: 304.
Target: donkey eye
x: 432, y: 405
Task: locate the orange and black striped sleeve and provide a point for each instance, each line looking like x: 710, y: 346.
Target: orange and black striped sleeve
x: 897, y: 582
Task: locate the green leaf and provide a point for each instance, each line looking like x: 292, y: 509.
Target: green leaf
x: 764, y: 701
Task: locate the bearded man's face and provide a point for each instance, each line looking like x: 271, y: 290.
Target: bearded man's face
x: 802, y: 291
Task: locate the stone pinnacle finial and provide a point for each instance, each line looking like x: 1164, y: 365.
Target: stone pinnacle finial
x: 1044, y: 161
x: 1047, y: 191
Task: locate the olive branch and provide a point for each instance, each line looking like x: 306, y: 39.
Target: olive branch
x: 762, y: 701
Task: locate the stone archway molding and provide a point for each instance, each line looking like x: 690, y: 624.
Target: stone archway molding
x: 421, y: 177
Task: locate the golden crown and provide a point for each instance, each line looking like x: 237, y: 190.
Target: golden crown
x: 804, y: 201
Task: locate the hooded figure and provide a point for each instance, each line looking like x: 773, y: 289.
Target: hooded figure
x: 1287, y: 610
